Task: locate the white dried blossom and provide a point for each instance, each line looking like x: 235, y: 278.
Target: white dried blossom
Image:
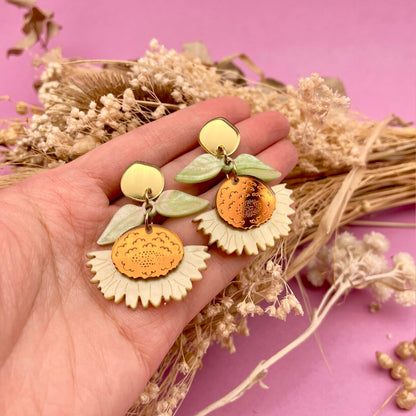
x: 128, y: 100
x: 150, y: 392
x: 316, y: 277
x: 159, y: 112
x: 271, y: 310
x: 405, y: 263
x: 213, y: 310
x: 295, y: 304
x: 183, y: 367
x: 376, y: 242
x: 406, y: 298
x: 154, y: 45
x: 362, y: 263
x: 381, y: 291
x: 281, y: 313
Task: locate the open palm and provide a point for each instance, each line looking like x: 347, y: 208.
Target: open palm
x: 64, y: 349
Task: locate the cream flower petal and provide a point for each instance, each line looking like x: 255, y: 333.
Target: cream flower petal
x: 174, y: 285
x: 234, y: 240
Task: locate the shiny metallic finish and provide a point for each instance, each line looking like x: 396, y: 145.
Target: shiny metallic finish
x: 245, y: 202
x: 219, y: 136
x: 140, y: 178
x: 140, y: 253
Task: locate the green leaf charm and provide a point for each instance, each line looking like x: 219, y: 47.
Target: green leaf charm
x: 250, y: 165
x: 127, y: 217
x: 201, y: 169
x: 179, y: 204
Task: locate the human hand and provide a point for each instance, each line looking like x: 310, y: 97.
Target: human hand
x: 64, y: 348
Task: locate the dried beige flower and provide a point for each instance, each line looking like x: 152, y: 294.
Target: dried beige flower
x: 399, y: 370
x: 364, y: 264
x: 409, y: 383
x: 384, y: 360
x: 405, y: 349
x: 406, y: 400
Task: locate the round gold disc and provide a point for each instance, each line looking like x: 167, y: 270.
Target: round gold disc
x: 219, y: 132
x: 142, y: 254
x: 141, y: 176
x: 245, y: 204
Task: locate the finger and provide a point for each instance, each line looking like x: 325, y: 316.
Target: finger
x: 157, y: 143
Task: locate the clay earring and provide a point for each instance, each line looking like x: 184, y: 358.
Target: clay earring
x: 147, y: 261
x: 249, y: 215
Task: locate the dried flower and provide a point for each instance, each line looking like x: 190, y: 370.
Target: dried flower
x: 399, y: 370
x: 406, y: 298
x: 409, y: 383
x: 405, y: 349
x: 384, y: 361
x: 406, y: 400
x: 376, y: 242
x: 363, y: 264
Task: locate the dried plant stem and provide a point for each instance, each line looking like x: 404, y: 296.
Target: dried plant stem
x: 99, y: 61
x: 20, y: 175
x: 384, y: 224
x: 157, y: 104
x: 330, y: 298
x: 388, y: 399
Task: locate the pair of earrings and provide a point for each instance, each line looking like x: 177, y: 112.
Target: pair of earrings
x: 149, y: 262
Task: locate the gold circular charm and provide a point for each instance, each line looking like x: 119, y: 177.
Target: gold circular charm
x: 219, y: 132
x: 139, y: 253
x: 139, y: 177
x: 246, y: 203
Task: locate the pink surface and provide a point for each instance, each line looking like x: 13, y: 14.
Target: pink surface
x: 371, y: 46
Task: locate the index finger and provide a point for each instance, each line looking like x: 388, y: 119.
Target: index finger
x: 157, y: 143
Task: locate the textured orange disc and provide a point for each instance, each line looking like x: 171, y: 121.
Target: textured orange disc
x: 140, y: 254
x: 245, y: 204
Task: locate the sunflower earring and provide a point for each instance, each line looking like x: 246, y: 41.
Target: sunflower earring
x: 249, y: 215
x: 147, y: 261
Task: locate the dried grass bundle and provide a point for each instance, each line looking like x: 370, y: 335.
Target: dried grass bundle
x: 348, y: 166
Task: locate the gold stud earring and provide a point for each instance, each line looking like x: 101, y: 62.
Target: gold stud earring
x: 249, y: 215
x: 147, y: 261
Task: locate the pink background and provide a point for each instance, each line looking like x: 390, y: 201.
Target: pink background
x: 370, y: 45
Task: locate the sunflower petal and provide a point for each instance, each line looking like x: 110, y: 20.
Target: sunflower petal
x: 114, y: 285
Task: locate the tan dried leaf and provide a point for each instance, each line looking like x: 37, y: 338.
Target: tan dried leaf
x: 199, y: 50
x: 27, y: 42
x: 53, y: 55
x: 336, y: 85
x: 34, y: 23
x: 52, y: 29
x: 22, y: 3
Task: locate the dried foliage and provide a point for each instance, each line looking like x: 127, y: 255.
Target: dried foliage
x: 38, y: 27
x: 348, y: 166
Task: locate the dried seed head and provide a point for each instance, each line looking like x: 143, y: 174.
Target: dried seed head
x: 405, y: 400
x: 399, y: 370
x: 409, y: 383
x: 384, y: 361
x: 405, y: 349
x: 21, y: 108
